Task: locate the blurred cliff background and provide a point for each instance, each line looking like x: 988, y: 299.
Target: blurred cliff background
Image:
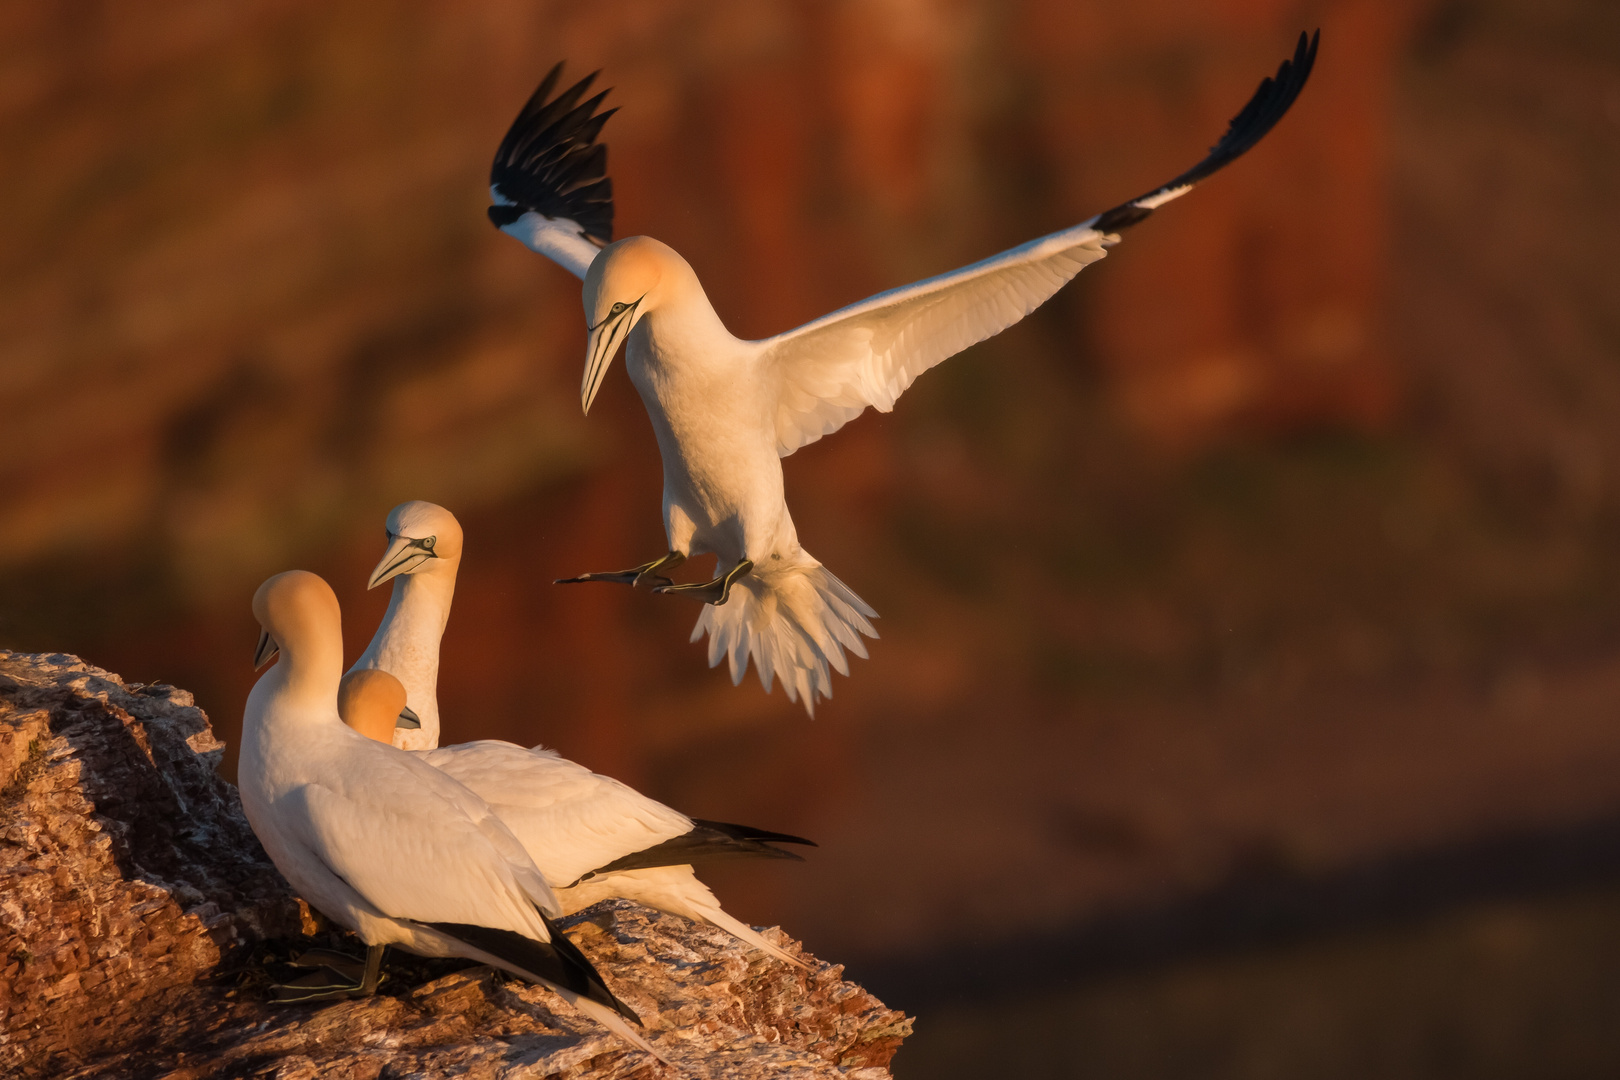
x: 1248, y: 702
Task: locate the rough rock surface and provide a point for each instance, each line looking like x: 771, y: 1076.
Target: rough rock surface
x: 139, y: 918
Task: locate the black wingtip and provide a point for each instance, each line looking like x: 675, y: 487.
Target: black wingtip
x: 706, y: 840
x: 748, y: 832
x: 550, y: 161
x: 1268, y: 105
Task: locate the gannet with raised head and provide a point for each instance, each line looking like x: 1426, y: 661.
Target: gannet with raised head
x: 422, y: 557
x: 726, y: 410
x: 378, y: 840
x: 591, y: 836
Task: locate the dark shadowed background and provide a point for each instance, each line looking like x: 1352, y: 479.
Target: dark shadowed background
x: 1248, y: 701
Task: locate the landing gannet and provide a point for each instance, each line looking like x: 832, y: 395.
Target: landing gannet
x: 378, y: 840
x: 591, y: 836
x: 726, y: 411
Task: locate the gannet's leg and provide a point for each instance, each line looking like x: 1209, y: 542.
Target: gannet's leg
x: 652, y: 572
x: 337, y: 975
x: 714, y: 592
x: 368, y: 983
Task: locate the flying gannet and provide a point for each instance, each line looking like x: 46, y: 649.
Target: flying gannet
x: 381, y: 842
x: 725, y: 410
x: 591, y: 836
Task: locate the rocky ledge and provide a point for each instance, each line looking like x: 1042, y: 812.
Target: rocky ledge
x: 139, y: 920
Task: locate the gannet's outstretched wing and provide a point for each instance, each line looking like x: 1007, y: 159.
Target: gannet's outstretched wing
x: 549, y: 181
x: 870, y: 352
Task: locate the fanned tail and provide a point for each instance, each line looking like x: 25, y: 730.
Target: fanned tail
x: 795, y: 622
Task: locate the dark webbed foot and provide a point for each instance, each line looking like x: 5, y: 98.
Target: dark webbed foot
x: 646, y: 574
x: 715, y: 592
x: 336, y: 976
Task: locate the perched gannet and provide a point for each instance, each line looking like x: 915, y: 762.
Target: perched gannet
x: 726, y: 410
x: 423, y: 555
x: 591, y: 836
x: 568, y: 818
x: 378, y: 840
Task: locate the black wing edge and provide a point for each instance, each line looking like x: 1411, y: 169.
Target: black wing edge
x: 558, y: 961
x: 1248, y: 127
x: 707, y: 840
x: 550, y: 161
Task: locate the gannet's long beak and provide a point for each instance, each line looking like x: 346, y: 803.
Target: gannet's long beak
x: 408, y: 719
x: 265, y: 651
x: 600, y: 346
x: 403, y: 555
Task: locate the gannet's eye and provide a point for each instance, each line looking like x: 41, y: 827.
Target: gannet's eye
x: 429, y: 542
x: 616, y: 309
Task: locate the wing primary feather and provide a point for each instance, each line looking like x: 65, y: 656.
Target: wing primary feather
x: 706, y: 840
x: 1249, y: 126
x: 550, y: 161
x: 748, y: 832
x: 558, y: 961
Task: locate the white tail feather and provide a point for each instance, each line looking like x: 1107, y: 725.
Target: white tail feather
x: 610, y: 1020
x: 795, y: 621
x: 677, y: 890
x: 743, y: 932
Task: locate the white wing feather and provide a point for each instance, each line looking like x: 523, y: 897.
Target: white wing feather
x: 831, y: 369
x: 558, y: 239
x: 868, y: 353
x: 439, y: 856
x: 570, y: 820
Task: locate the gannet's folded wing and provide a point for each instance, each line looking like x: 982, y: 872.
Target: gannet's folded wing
x: 549, y: 180
x: 570, y: 819
x: 829, y: 370
x: 414, y: 851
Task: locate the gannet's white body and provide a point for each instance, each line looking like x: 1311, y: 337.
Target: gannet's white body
x: 378, y: 840
x: 571, y: 821
x: 726, y: 411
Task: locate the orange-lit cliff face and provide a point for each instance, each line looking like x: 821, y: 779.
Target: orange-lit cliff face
x: 250, y: 301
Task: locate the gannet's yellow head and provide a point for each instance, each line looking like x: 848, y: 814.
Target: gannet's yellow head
x: 624, y: 283
x: 295, y: 610
x: 421, y: 535
x: 371, y: 701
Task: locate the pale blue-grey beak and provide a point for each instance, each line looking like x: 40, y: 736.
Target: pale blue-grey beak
x: 604, y: 340
x: 404, y: 555
x: 265, y: 651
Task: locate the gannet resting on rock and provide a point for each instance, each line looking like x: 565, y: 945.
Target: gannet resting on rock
x: 378, y: 840
x: 566, y: 817
x: 726, y: 410
x: 591, y: 836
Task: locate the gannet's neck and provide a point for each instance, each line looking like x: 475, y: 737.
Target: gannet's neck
x: 682, y: 308
x: 406, y: 644
x: 302, y: 686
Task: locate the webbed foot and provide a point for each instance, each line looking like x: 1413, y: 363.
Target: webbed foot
x: 336, y: 976
x: 646, y: 574
x: 715, y: 592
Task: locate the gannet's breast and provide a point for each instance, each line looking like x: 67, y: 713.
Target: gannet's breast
x: 712, y: 417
